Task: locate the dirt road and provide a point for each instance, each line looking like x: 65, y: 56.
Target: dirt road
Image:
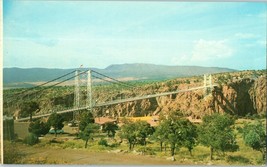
x: 72, y: 156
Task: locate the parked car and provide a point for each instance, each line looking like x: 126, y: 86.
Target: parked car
x: 73, y: 124
x: 59, y: 131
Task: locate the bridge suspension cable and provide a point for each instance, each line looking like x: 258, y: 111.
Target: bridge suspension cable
x: 111, y: 81
x: 29, y: 89
x: 58, y: 83
x: 48, y: 87
x: 114, y: 80
x: 52, y: 80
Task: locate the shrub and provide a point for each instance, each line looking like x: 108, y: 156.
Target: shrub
x: 238, y: 158
x: 68, y: 145
x: 71, y: 144
x: 114, y: 145
x: 146, y: 150
x: 31, y: 139
x: 255, y: 116
x: 103, y: 142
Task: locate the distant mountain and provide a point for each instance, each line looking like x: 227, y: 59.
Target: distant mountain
x: 136, y: 71
x: 151, y: 71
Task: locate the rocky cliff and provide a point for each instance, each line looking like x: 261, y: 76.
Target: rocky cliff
x: 240, y: 97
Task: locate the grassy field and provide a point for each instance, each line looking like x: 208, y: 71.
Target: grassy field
x: 66, y: 149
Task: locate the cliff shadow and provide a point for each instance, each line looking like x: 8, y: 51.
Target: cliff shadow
x: 244, y: 103
x: 222, y: 102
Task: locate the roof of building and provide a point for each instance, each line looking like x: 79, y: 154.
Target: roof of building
x: 103, y: 120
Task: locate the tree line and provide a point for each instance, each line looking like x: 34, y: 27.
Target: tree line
x: 216, y: 132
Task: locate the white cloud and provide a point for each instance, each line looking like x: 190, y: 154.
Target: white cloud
x: 209, y: 50
x: 245, y: 35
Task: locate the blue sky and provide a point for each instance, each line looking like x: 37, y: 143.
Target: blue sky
x: 66, y: 34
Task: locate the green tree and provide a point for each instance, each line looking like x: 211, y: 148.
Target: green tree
x: 175, y: 136
x: 171, y: 134
x: 110, y: 128
x: 254, y: 135
x: 56, y: 121
x: 28, y: 108
x: 129, y: 132
x: 143, y: 130
x: 161, y: 134
x: 88, y: 132
x: 38, y: 128
x: 85, y: 119
x: 216, y: 132
x: 176, y: 131
x: 189, y: 134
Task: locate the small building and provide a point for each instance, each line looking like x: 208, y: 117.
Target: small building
x: 103, y: 120
x: 154, y: 121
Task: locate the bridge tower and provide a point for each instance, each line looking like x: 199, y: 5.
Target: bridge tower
x: 77, y: 89
x: 76, y: 93
x: 208, y: 80
x: 89, y: 91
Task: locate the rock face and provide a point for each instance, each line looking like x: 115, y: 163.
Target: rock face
x: 246, y: 96
x: 258, y: 95
x: 234, y: 98
x: 242, y: 97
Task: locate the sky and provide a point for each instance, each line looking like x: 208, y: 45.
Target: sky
x: 66, y: 34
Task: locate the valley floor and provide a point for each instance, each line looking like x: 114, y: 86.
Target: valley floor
x: 65, y: 149
x: 81, y: 156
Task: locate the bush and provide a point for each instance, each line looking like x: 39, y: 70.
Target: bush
x: 150, y: 151
x: 31, y: 139
x: 103, y: 142
x: 114, y: 145
x: 239, y: 129
x: 238, y: 158
x: 146, y: 150
x: 255, y: 116
x: 72, y: 144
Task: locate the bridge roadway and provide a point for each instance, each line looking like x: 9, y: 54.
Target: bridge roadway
x: 119, y: 101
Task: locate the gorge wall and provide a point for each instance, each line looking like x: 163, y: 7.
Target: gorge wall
x: 240, y: 97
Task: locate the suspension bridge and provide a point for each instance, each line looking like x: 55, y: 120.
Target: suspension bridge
x: 87, y: 76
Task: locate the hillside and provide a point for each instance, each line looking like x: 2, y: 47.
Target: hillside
x: 19, y: 77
